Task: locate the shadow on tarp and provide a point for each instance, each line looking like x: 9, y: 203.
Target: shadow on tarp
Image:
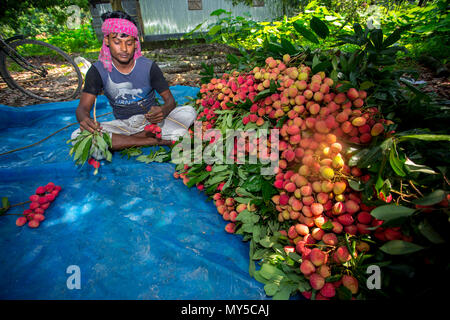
x: 134, y: 231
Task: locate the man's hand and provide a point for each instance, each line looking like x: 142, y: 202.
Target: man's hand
x: 89, y: 125
x: 155, y: 115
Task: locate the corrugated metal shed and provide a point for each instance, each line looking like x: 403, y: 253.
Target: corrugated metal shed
x: 162, y: 19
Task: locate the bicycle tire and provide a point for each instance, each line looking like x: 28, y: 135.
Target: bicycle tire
x: 71, y: 84
x: 2, y: 73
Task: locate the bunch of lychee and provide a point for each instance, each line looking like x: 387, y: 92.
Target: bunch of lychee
x: 94, y: 163
x: 229, y: 209
x: 313, y: 102
x: 40, y: 202
x: 319, y: 120
x: 153, y: 128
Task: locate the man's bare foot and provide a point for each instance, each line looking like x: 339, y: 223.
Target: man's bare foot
x: 120, y: 142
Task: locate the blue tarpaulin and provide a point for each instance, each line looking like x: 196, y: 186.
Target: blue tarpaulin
x: 133, y: 230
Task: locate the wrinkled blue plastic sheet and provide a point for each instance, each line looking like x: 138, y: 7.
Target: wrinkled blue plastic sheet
x: 133, y: 230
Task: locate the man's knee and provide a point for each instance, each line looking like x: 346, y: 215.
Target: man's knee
x: 185, y: 114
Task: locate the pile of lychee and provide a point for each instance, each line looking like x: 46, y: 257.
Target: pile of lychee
x: 315, y: 202
x: 40, y: 202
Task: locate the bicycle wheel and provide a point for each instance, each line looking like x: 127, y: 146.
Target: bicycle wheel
x: 49, y: 74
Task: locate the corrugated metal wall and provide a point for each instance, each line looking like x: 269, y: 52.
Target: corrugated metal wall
x: 170, y: 18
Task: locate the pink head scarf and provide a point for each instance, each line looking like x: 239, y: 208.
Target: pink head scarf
x: 117, y: 25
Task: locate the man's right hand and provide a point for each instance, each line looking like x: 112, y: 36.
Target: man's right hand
x: 89, y: 125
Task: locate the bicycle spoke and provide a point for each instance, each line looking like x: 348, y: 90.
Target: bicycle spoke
x: 42, y: 72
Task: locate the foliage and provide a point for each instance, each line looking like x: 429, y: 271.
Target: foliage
x: 30, y: 17
x: 49, y: 23
x: 75, y: 40
x: 427, y: 27
x: 86, y: 143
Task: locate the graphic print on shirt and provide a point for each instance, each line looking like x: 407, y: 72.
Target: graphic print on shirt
x: 123, y: 93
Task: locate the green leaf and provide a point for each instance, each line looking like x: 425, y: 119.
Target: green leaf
x: 322, y: 66
x: 258, y: 277
x: 393, y: 37
x: 426, y: 137
x: 5, y: 202
x: 305, y: 32
x: 355, y: 158
x: 391, y: 211
x: 319, y: 27
x: 283, y: 294
x: 433, y: 198
x: 288, y: 46
x: 214, y: 30
x: 245, y: 193
x: 429, y: 232
x: 253, y: 184
x: 396, y: 163
x: 268, y: 271
x: 271, y: 289
x: 262, y: 95
x: 400, y: 247
x: 376, y: 36
x: 195, y: 29
x: 358, y: 30
x: 274, y: 47
x: 304, y: 286
x: 370, y: 157
x: 259, y: 254
x: 295, y: 256
x: 356, y: 185
x: 217, y: 179
x: 107, y: 139
x: 265, y: 242
x: 241, y: 200
x: 366, y: 85
x: 343, y: 293
x: 5, y: 205
x: 233, y: 59
x: 219, y: 168
x: 101, y: 143
x: 333, y: 278
x: 268, y: 190
x: 327, y: 226
x: 80, y: 147
x: 218, y: 12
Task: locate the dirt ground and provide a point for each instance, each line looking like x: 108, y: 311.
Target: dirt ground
x: 182, y: 66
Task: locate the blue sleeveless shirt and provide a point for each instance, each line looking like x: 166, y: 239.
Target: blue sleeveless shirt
x: 131, y: 93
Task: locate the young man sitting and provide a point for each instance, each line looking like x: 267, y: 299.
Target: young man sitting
x: 129, y: 81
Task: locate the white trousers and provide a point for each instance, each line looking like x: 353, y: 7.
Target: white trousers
x: 175, y: 125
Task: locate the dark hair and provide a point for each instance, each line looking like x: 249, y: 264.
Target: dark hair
x: 119, y: 15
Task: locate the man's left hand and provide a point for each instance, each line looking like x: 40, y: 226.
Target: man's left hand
x: 155, y: 115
